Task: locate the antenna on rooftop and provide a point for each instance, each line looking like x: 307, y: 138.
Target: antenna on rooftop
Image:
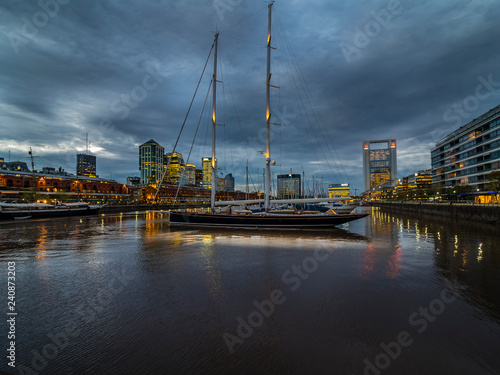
x: 87, y: 142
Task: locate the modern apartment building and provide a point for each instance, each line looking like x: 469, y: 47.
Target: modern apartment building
x: 467, y: 155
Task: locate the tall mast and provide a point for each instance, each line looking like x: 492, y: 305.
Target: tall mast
x: 267, y: 180
x: 247, y: 181
x: 303, y: 181
x: 33, y: 173
x: 214, y: 162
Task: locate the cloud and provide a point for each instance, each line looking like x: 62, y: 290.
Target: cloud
x: 71, y: 77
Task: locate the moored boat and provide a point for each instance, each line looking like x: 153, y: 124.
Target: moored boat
x: 19, y: 211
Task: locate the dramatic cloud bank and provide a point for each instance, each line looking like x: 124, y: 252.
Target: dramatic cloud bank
x: 125, y: 72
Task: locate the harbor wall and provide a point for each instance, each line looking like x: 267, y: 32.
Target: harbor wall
x: 457, y: 211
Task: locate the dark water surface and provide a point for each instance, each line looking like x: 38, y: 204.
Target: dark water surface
x: 128, y: 294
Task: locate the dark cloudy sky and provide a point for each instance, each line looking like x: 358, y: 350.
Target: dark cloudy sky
x: 125, y: 71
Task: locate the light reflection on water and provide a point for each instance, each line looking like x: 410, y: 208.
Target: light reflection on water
x: 188, y: 286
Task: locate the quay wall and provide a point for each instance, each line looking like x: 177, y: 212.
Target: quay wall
x: 457, y: 211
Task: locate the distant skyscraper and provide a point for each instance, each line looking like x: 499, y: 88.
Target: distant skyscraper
x: 229, y: 182
x: 85, y: 165
x: 289, y: 186
x: 207, y: 173
x: 190, y: 174
x: 379, y: 163
x: 176, y: 169
x: 221, y: 183
x: 151, y: 161
x: 198, y: 177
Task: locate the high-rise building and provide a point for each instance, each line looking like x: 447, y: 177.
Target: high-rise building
x: 379, y: 164
x: 229, y: 183
x: 190, y: 174
x: 207, y: 173
x: 467, y: 155
x: 176, y: 169
x: 339, y: 190
x: 1, y: 160
x: 198, y: 177
x: 221, y: 182
x: 151, y: 161
x: 289, y: 186
x: 85, y: 165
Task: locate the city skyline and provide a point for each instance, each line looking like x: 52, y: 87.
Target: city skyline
x: 374, y: 70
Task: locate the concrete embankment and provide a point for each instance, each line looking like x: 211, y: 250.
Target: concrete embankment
x: 457, y: 211
x: 144, y: 207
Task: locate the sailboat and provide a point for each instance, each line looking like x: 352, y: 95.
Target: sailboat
x: 268, y: 218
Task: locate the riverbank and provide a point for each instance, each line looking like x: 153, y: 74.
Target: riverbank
x: 457, y: 211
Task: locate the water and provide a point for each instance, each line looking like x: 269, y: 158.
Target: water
x: 127, y: 294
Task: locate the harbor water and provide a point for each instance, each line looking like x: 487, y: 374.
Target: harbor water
x: 129, y: 294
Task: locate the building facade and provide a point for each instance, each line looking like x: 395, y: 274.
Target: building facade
x: 379, y: 164
x: 86, y: 165
x: 55, y: 184
x: 19, y: 166
x: 289, y: 186
x: 198, y: 177
x: 176, y: 169
x: 221, y: 182
x: 467, y: 155
x: 190, y: 174
x: 206, y: 164
x: 415, y: 183
x: 151, y: 161
x: 133, y: 181
x: 339, y: 190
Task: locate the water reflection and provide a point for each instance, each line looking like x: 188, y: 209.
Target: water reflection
x: 188, y: 286
x: 383, y: 253
x: 465, y: 252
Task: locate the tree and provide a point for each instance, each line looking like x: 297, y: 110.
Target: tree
x: 494, y: 181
